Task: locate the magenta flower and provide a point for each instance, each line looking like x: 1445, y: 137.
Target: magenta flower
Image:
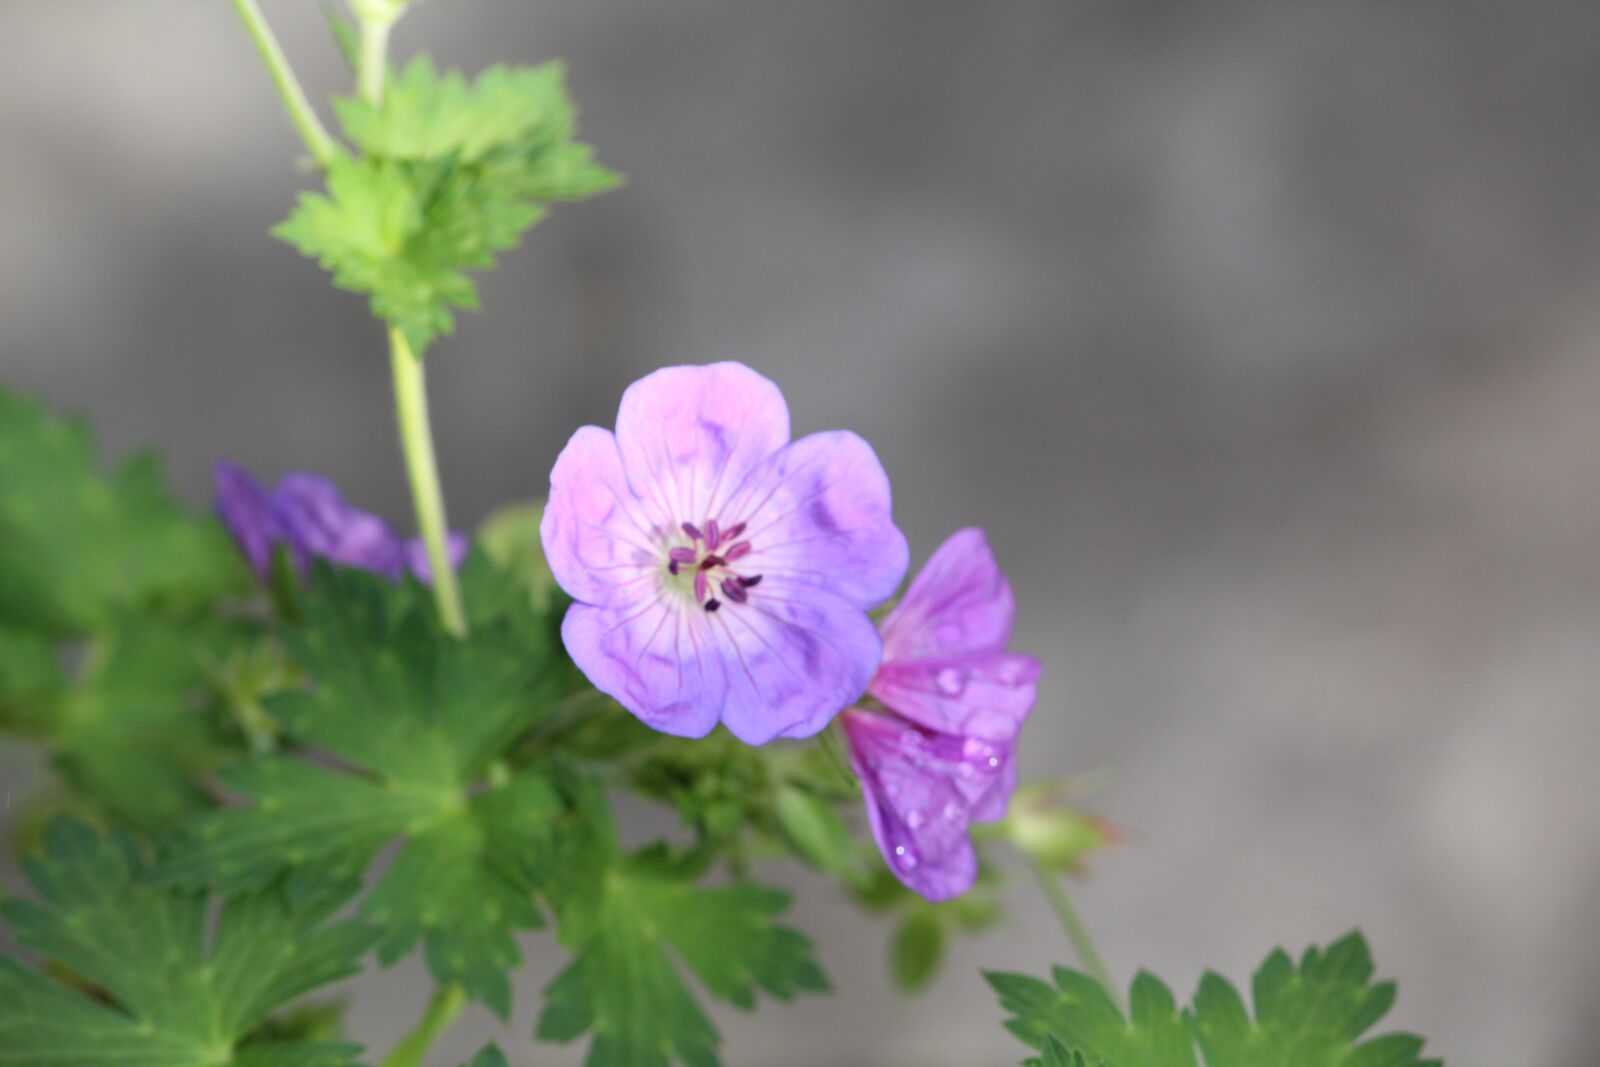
x: 309, y: 515
x: 943, y: 755
x: 721, y: 571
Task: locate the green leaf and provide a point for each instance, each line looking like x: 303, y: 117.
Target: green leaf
x: 510, y: 538
x: 149, y: 985
x: 622, y: 915
x: 1310, y: 1016
x: 814, y: 829
x: 451, y: 173
x: 79, y: 548
x: 138, y: 721
x: 422, y: 719
x: 918, y: 949
x: 138, y: 724
x: 488, y: 1056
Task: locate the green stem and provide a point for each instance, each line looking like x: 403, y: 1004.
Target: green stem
x: 448, y: 1000
x: 416, y: 439
x: 372, y: 64
x: 1077, y: 933
x: 324, y: 149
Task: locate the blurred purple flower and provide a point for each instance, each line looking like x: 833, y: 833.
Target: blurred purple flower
x: 308, y: 514
x: 943, y: 756
x: 720, y: 570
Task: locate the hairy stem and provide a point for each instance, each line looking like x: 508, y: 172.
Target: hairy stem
x: 416, y: 440
x: 324, y: 149
x: 448, y: 1000
x: 1077, y: 933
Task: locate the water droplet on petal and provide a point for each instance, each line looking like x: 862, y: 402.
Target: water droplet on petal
x: 952, y: 812
x: 950, y: 681
x: 915, y: 819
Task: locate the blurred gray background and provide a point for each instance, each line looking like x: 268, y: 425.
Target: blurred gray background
x: 1262, y: 339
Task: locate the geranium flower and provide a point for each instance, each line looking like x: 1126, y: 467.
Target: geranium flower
x: 943, y: 754
x: 308, y: 514
x: 721, y: 571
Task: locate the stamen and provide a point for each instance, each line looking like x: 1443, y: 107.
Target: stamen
x: 713, y: 604
x: 733, y: 531
x: 741, y: 549
x: 672, y: 566
x: 681, y: 555
x: 701, y: 586
x: 713, y: 535
x: 750, y: 582
x: 734, y: 591
x: 692, y: 530
x: 712, y: 560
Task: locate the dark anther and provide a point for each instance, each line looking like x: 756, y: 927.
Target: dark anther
x: 713, y: 604
x: 712, y: 560
x: 672, y: 567
x: 750, y: 582
x: 733, y: 589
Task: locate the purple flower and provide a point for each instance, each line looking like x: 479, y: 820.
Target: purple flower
x: 943, y: 756
x: 720, y: 570
x: 307, y: 513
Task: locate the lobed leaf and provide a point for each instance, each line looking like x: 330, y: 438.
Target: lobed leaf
x: 450, y: 173
x: 149, y: 987
x: 1310, y: 1015
x: 413, y: 719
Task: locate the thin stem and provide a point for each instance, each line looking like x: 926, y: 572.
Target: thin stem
x: 1077, y: 933
x: 416, y: 440
x: 448, y: 1000
x: 324, y: 149
x: 372, y: 64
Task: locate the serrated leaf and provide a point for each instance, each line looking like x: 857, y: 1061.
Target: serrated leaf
x: 420, y: 716
x: 167, y: 993
x: 621, y: 916
x: 450, y: 174
x: 1312, y: 1015
x: 79, y: 547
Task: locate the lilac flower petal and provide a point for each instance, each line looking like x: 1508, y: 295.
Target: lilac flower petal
x: 794, y: 656
x: 818, y: 513
x: 658, y: 659
x: 245, y: 507
x: 985, y: 694
x: 599, y: 538
x: 689, y: 435
x: 959, y: 602
x: 416, y: 550
x: 320, y: 524
x: 771, y: 666
x: 922, y: 790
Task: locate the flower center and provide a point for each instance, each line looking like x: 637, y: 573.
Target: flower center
x: 708, y: 561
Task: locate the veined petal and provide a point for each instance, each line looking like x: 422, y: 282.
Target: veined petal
x: 959, y: 602
x: 656, y: 658
x: 794, y: 656
x: 818, y: 513
x: 321, y: 524
x: 245, y: 507
x: 598, y: 537
x: 985, y: 694
x: 689, y: 435
x: 922, y: 791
